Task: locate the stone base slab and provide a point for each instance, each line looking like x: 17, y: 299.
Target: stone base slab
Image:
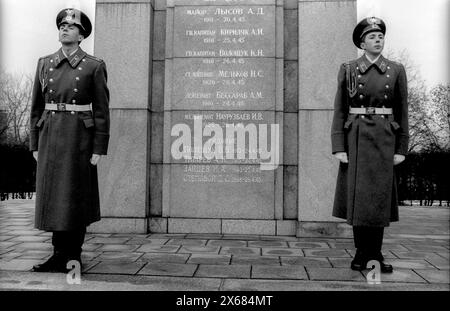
x: 119, y: 225
x: 307, y: 229
x: 222, y: 226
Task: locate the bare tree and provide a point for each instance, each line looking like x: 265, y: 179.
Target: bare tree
x: 440, y: 122
x: 15, y: 99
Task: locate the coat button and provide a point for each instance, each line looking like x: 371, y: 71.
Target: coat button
x: 51, y: 80
x: 388, y: 76
x: 72, y: 112
x: 73, y: 101
x: 382, y: 116
x: 79, y: 68
x: 52, y: 102
x: 361, y: 96
x: 387, y: 86
x: 359, y: 76
x: 51, y: 91
x: 388, y: 67
x: 385, y: 96
x: 75, y: 90
x: 361, y: 86
x: 51, y: 69
x: 77, y: 78
x: 362, y: 117
x: 53, y: 112
x: 84, y: 60
x: 51, y: 61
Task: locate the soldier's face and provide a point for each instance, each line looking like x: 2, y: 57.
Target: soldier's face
x: 373, y: 43
x: 69, y: 33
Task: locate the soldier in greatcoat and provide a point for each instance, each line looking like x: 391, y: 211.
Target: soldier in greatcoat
x: 69, y: 131
x: 369, y: 136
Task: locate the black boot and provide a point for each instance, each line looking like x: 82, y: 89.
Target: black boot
x: 56, y: 263
x: 384, y: 267
x: 359, y: 262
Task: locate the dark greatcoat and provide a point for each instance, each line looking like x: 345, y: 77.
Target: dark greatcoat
x: 67, y: 196
x: 366, y: 193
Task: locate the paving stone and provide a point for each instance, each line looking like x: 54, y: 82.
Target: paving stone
x: 204, y: 236
x: 278, y: 238
x: 416, y: 255
x: 235, y: 243
x: 240, y: 250
x: 386, y: 254
x: 326, y: 253
x: 167, y: 235
x: 399, y: 275
x: 5, y: 237
x: 164, y: 257
x: 308, y: 245
x: 118, y: 256
x: 10, y: 255
x: 334, y: 274
x: 199, y: 249
x: 87, y: 256
x: 108, y: 240
x: 154, y: 241
x: 409, y: 263
x: 86, y: 265
x: 209, y: 259
x: 117, y: 248
x: 6, y: 245
x: 116, y: 267
x: 340, y: 245
x: 444, y: 255
x: 23, y: 232
x: 255, y: 260
x: 169, y: 269
x: 149, y: 248
x: 267, y: 244
x: 193, y: 242
x: 313, y: 262
x: 19, y: 264
x: 440, y: 263
x: 434, y: 276
x: 425, y: 248
x: 340, y: 262
x: 34, y: 254
x: 224, y: 271
x: 282, y: 251
x: 282, y: 273
x: 34, y: 245
x: 91, y: 247
x: 244, y: 237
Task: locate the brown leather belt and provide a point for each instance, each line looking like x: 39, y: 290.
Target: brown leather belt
x: 370, y: 110
x: 67, y: 107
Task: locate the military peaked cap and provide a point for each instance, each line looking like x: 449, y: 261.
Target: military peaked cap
x: 365, y: 26
x: 76, y: 17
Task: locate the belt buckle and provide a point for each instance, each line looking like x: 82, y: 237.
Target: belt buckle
x: 370, y: 110
x: 61, y: 106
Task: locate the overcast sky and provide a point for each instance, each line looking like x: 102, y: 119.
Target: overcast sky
x: 420, y: 27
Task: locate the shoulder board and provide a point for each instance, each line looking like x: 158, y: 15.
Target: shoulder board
x: 94, y: 58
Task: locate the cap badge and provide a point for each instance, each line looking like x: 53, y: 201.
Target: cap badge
x: 373, y: 20
x: 69, y: 13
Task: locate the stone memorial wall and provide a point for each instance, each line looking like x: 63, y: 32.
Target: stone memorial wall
x: 220, y: 114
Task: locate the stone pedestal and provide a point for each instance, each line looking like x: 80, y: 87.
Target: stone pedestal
x: 124, y: 39
x: 325, y: 29
x: 201, y: 92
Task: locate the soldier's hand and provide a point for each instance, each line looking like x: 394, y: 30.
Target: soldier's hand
x: 341, y: 156
x: 35, y: 155
x: 398, y: 158
x: 95, y: 158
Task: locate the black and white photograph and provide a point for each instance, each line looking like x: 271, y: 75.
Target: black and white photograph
x: 224, y: 153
